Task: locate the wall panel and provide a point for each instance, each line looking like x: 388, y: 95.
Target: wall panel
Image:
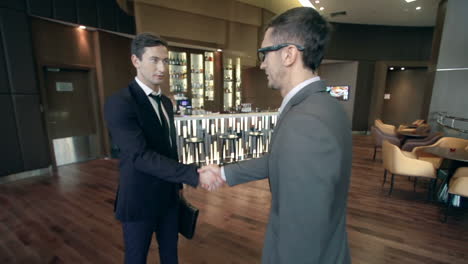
x: 4, y: 85
x: 41, y: 8
x: 65, y: 10
x: 18, y: 51
x: 19, y: 5
x: 230, y: 10
x: 107, y: 15
x: 125, y: 22
x: 10, y: 150
x: 87, y: 13
x: 31, y: 132
x: 182, y: 25
x: 58, y: 44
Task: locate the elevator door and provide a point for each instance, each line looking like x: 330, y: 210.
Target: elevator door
x: 70, y: 115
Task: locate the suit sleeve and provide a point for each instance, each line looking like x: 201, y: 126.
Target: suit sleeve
x: 246, y: 171
x: 127, y: 133
x: 309, y: 172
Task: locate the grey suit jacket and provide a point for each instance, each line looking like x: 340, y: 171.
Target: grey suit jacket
x: 309, y: 167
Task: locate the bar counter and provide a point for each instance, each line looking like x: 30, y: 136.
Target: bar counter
x: 249, y: 135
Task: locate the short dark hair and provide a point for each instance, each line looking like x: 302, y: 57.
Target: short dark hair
x: 143, y: 40
x: 303, y: 26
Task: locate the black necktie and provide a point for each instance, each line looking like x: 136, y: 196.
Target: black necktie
x: 162, y: 117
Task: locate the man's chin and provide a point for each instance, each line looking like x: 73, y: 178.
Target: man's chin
x: 157, y: 82
x: 273, y: 87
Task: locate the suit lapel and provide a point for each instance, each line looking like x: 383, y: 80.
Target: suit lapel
x: 315, y: 87
x: 145, y: 105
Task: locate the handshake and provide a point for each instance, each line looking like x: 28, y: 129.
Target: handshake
x: 210, y: 177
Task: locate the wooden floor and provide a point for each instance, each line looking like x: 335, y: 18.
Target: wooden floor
x: 67, y: 218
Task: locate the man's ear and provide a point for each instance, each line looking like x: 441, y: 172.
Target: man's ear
x: 135, y: 61
x: 289, y: 56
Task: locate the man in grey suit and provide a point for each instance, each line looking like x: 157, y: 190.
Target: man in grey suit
x: 309, y: 163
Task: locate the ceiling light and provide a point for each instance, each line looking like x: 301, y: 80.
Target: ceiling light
x: 418, y: 8
x: 306, y: 3
x: 82, y: 27
x: 317, y: 2
x: 322, y: 8
x: 409, y: 1
x: 391, y: 68
x: 402, y: 68
x: 219, y: 50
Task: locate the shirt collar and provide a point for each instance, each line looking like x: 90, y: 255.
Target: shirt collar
x: 295, y: 90
x: 146, y: 89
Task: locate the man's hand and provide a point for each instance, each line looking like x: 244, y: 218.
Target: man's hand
x: 210, y: 177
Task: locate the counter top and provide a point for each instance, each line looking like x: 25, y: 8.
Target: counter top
x: 218, y: 115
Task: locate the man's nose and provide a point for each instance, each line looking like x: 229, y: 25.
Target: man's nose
x: 161, y: 66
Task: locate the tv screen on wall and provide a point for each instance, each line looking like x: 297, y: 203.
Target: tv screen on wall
x: 339, y: 92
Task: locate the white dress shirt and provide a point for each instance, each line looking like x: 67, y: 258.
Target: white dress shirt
x: 148, y: 91
x: 295, y: 90
x: 286, y: 99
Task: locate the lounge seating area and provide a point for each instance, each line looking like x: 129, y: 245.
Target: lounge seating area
x: 425, y: 158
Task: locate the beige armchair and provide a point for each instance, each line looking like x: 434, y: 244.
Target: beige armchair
x: 397, y: 163
x: 444, y: 142
x: 458, y: 186
x: 418, y: 122
x: 379, y: 137
x: 385, y: 128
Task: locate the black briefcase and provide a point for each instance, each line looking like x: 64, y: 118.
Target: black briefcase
x: 188, y: 215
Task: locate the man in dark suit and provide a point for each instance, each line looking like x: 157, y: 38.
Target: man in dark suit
x: 141, y: 123
x: 309, y: 164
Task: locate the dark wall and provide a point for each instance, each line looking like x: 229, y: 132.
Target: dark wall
x: 24, y: 144
x: 407, y: 91
x: 103, y: 14
x: 10, y: 149
x: 369, y: 44
x: 373, y: 43
x: 364, y: 86
x: 18, y: 55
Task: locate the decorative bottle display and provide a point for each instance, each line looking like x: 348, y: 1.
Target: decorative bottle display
x: 209, y: 76
x: 178, y: 73
x: 196, y: 69
x: 228, y: 84
x: 238, y: 82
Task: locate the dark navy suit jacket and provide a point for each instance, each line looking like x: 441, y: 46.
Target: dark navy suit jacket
x: 150, y: 174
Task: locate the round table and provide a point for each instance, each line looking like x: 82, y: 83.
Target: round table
x: 457, y: 157
x: 411, y: 134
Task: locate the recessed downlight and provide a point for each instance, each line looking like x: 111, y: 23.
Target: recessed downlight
x: 418, y: 8
x: 322, y: 8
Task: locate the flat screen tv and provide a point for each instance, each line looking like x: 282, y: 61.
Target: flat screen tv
x: 339, y: 92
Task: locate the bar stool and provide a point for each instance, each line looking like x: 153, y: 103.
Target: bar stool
x: 254, y: 140
x: 193, y: 144
x: 231, y: 141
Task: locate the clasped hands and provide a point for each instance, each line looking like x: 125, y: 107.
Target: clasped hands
x: 210, y: 177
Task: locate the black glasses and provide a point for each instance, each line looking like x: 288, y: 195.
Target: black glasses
x: 262, y: 52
